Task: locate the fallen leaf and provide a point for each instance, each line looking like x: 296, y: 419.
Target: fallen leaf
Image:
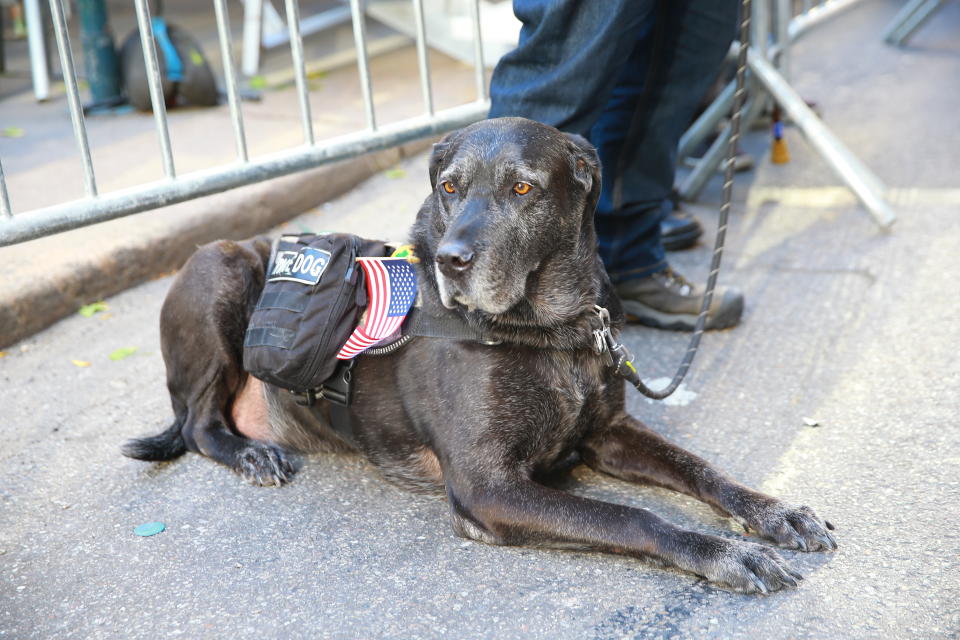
x: 81, y: 363
x: 122, y: 353
x: 104, y: 316
x: 810, y: 422
x: 395, y: 174
x: 88, y: 310
x: 258, y: 82
x: 12, y: 132
x: 3, y: 354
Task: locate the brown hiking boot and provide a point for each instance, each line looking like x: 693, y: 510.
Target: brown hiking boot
x: 667, y: 300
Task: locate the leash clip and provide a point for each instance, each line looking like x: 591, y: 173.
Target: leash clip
x: 603, y: 337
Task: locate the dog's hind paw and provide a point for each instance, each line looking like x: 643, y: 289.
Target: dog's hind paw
x: 264, y: 465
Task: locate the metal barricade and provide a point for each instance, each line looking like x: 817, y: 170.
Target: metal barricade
x: 768, y: 62
x: 96, y: 207
x: 772, y: 34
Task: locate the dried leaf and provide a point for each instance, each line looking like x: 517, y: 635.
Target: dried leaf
x: 3, y: 354
x: 88, y: 310
x: 122, y: 353
x: 81, y: 363
x: 810, y: 422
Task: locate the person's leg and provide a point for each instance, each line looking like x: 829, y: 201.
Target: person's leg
x: 656, y: 95
x: 567, y: 61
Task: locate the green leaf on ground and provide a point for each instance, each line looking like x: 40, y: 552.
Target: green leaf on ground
x: 258, y: 82
x: 12, y: 132
x: 122, y: 353
x: 88, y: 310
x: 395, y: 173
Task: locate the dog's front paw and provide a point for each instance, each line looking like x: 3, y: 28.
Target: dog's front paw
x: 742, y: 566
x: 791, y: 527
x: 265, y: 465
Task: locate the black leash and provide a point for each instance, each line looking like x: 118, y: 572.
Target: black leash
x: 620, y: 356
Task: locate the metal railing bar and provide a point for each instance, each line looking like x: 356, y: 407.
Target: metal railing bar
x: 311, y: 24
x: 422, y: 59
x: 806, y: 21
x: 73, y: 95
x: 478, y: 65
x: 4, y: 196
x: 691, y: 186
x: 300, y: 72
x: 707, y: 122
x: 868, y: 187
x: 363, y: 64
x: 37, y: 47
x: 156, y: 88
x: 782, y: 34
x: 230, y: 76
x: 71, y: 215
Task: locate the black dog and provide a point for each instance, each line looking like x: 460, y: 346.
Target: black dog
x: 506, y: 239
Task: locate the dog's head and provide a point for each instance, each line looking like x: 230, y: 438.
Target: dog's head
x: 509, y: 225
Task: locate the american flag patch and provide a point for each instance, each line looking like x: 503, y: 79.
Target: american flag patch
x: 391, y: 290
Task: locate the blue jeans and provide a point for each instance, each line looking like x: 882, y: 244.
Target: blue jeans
x: 628, y: 75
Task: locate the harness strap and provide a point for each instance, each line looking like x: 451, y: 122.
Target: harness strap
x: 338, y: 392
x: 451, y: 326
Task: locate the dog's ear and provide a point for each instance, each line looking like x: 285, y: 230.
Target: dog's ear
x: 438, y: 155
x: 586, y: 167
x: 586, y: 162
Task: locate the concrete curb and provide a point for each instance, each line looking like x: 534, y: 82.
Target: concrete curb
x: 50, y: 278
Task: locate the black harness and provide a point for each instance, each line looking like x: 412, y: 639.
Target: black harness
x: 337, y: 391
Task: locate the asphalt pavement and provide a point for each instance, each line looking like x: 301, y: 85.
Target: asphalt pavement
x: 847, y: 327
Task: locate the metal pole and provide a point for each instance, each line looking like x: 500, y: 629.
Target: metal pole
x: 300, y: 72
x: 691, y: 187
x: 783, y: 37
x: 363, y: 65
x: 73, y: 96
x: 252, y: 34
x: 868, y: 187
x: 230, y: 77
x: 4, y: 196
x: 38, y: 50
x: 478, y: 66
x: 707, y: 122
x: 422, y: 59
x: 156, y: 88
x: 99, y: 54
x: 901, y: 31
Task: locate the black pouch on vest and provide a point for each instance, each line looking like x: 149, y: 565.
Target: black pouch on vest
x: 311, y: 302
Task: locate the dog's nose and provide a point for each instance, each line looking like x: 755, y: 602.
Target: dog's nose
x: 454, y: 258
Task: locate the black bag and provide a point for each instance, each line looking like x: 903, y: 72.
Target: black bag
x: 311, y: 302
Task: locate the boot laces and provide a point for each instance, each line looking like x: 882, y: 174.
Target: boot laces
x: 674, y: 280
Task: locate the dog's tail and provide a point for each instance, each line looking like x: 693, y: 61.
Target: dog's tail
x: 164, y: 446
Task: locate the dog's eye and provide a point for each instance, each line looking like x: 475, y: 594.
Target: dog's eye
x: 522, y: 188
x: 448, y: 186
